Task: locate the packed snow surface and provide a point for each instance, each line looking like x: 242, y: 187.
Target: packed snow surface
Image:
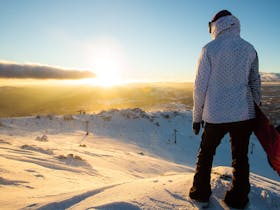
x: 130, y: 159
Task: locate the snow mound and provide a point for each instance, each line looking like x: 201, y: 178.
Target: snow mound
x: 73, y: 160
x: 117, y: 205
x: 42, y: 138
x: 37, y: 149
x: 2, y: 141
x: 262, y: 195
x: 135, y: 113
x: 4, y: 181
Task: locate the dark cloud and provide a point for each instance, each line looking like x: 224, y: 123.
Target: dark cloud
x: 33, y: 71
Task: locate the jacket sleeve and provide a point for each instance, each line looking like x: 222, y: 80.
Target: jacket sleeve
x: 255, y: 81
x: 200, y: 85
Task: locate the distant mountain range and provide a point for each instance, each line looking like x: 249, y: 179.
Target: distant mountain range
x: 270, y: 77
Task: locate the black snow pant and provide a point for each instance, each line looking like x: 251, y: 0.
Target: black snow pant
x: 239, y: 137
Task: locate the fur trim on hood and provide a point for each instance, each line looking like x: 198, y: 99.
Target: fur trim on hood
x: 227, y: 23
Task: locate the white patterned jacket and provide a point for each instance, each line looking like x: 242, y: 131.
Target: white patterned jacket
x: 227, y: 80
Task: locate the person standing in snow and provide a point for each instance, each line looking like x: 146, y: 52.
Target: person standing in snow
x: 226, y: 87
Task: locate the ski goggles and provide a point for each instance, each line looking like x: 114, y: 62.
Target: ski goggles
x: 209, y: 27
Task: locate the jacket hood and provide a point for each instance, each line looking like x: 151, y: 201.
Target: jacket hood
x: 227, y: 24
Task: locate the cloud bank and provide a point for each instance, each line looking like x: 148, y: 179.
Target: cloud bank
x: 35, y: 71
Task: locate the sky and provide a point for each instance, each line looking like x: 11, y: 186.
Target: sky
x: 132, y: 40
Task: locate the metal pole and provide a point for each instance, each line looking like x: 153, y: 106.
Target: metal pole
x: 175, y: 138
x: 87, y: 128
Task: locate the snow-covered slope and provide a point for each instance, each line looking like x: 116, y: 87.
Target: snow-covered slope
x: 270, y: 77
x: 129, y: 160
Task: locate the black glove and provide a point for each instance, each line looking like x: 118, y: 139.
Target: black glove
x: 196, y: 127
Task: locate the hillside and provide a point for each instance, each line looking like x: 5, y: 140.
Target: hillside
x: 270, y: 77
x: 69, y: 99
x: 129, y: 160
x: 36, y: 100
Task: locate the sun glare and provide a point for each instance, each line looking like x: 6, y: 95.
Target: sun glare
x: 106, y: 58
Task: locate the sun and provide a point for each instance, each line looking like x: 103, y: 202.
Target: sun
x: 106, y: 57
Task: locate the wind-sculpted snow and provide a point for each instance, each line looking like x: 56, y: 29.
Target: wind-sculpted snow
x: 154, y: 131
x: 37, y: 149
x: 130, y: 159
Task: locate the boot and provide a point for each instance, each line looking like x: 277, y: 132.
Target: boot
x: 236, y: 200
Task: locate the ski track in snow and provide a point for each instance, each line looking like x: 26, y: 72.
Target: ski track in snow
x: 129, y: 160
